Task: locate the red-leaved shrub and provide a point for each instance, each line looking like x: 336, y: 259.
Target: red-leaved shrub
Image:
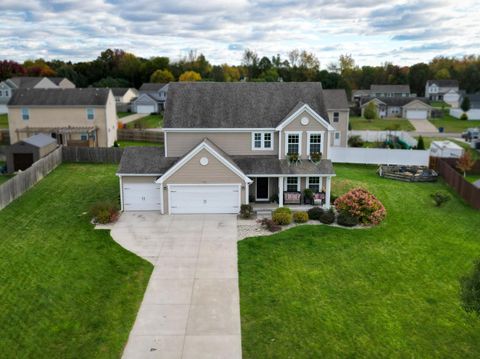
x: 360, y: 203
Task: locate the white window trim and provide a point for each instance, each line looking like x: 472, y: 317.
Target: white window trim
x: 319, y: 182
x: 299, y: 133
x: 285, y: 183
x: 263, y: 148
x: 322, y: 137
x: 28, y: 113
x: 339, y: 138
x: 93, y: 109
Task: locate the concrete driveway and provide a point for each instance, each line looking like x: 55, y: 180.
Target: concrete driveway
x: 191, y: 308
x: 132, y: 117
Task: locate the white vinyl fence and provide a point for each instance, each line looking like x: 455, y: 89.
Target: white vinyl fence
x: 473, y: 114
x: 380, y: 136
x: 379, y: 156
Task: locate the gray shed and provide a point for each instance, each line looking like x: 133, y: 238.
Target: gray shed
x: 24, y: 153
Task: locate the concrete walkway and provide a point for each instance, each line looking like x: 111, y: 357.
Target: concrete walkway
x: 131, y: 118
x: 423, y: 126
x: 191, y: 308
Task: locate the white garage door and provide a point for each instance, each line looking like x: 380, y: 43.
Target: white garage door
x: 204, y: 198
x: 145, y: 108
x: 141, y: 197
x: 416, y: 114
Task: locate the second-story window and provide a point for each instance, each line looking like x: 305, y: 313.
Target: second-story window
x: 267, y: 140
x: 336, y: 116
x: 25, y: 114
x: 315, y: 143
x: 257, y: 140
x: 262, y: 140
x: 293, y: 143
x: 90, y: 114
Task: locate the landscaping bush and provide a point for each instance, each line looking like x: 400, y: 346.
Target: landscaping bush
x: 104, y: 212
x: 464, y: 117
x: 347, y: 220
x: 327, y: 217
x: 355, y: 141
x: 315, y: 213
x: 420, y: 143
x: 269, y: 224
x: 470, y: 290
x: 370, y: 111
x: 360, y: 203
x: 283, y: 210
x: 246, y: 211
x: 300, y: 217
x: 440, y: 198
x: 282, y: 218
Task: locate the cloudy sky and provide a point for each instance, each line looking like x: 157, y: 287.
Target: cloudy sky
x: 372, y: 31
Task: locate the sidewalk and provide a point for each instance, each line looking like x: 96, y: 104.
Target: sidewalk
x: 422, y: 126
x: 131, y: 118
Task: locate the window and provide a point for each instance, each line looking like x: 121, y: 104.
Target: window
x: 6, y: 93
x: 336, y: 116
x: 314, y: 184
x: 292, y: 184
x: 262, y: 141
x: 293, y: 143
x: 84, y: 137
x: 90, y: 113
x: 1, y: 93
x: 25, y: 114
x: 315, y: 143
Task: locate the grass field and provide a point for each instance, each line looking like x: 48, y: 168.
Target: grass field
x: 360, y: 123
x: 138, y: 143
x: 3, y: 120
x: 386, y: 292
x: 149, y: 121
x: 123, y: 114
x: 68, y: 291
x: 439, y: 104
x: 452, y: 124
x: 472, y: 178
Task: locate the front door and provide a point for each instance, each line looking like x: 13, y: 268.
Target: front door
x: 262, y: 189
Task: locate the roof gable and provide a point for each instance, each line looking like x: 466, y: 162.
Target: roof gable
x: 297, y: 111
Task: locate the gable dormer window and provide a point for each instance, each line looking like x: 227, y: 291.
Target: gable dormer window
x: 262, y: 140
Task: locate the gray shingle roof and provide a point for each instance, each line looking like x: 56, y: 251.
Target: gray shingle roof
x: 394, y: 101
x: 390, y: 88
x: 60, y: 97
x: 25, y: 81
x: 119, y: 91
x: 443, y: 83
x: 238, y: 104
x: 39, y: 140
x: 152, y: 86
x: 145, y: 160
x: 56, y: 80
x: 335, y: 99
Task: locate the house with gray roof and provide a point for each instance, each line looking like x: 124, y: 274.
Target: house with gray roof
x: 77, y: 117
x: 443, y: 90
x: 411, y: 108
x: 382, y: 91
x: 151, y: 98
x: 124, y: 96
x: 23, y: 82
x: 228, y: 144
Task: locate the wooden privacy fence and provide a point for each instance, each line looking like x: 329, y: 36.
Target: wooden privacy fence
x: 92, y: 154
x: 124, y: 134
x: 465, y: 189
x: 23, y: 181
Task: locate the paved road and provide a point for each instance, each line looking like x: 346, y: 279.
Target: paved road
x: 191, y: 308
x: 131, y: 118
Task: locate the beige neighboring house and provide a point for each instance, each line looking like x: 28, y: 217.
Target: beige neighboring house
x: 75, y: 117
x: 411, y: 108
x: 228, y: 144
x: 124, y: 97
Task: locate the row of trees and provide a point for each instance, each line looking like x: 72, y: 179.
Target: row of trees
x: 117, y: 68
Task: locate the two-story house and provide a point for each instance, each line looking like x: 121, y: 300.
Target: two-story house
x: 152, y: 98
x: 382, y: 91
x: 77, y: 117
x: 228, y: 144
x: 124, y: 97
x: 9, y: 85
x: 443, y: 90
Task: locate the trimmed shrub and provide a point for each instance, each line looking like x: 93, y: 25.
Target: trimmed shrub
x: 282, y: 218
x: 420, y: 143
x: 440, y: 198
x: 355, y: 141
x: 327, y: 217
x: 283, y: 210
x: 360, y: 203
x: 464, y: 117
x: 470, y: 290
x: 347, y: 220
x: 104, y: 212
x: 246, y: 211
x: 300, y: 217
x: 315, y: 213
x: 269, y: 224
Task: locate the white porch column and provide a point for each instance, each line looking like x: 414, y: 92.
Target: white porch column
x: 247, y: 194
x: 280, y: 191
x: 327, y: 191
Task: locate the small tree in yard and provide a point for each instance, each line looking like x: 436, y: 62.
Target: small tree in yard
x: 420, y: 143
x: 370, y: 111
x: 470, y: 290
x: 465, y: 163
x: 465, y: 106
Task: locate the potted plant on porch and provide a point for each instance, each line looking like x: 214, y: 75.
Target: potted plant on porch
x: 308, y: 196
x: 315, y: 157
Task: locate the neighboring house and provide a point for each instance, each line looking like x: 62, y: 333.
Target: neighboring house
x: 124, y: 96
x: 228, y: 144
x: 411, y: 108
x: 383, y: 91
x: 80, y: 117
x: 151, y: 98
x: 23, y: 154
x: 474, y: 112
x: 9, y: 85
x: 443, y: 90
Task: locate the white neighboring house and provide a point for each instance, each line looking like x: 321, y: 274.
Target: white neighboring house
x: 474, y: 112
x: 411, y: 108
x: 152, y: 98
x: 9, y: 85
x: 443, y: 90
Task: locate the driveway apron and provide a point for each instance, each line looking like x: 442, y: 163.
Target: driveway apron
x: 191, y: 308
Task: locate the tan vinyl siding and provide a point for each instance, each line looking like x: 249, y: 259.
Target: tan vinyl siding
x: 341, y: 125
x: 215, y: 172
x: 233, y: 143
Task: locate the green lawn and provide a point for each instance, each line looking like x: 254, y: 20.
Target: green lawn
x: 452, y: 124
x: 472, y: 178
x: 67, y: 290
x: 149, y: 121
x: 3, y: 120
x: 385, y: 292
x: 138, y: 143
x: 4, y: 178
x: 123, y: 114
x: 439, y: 104
x: 360, y: 123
